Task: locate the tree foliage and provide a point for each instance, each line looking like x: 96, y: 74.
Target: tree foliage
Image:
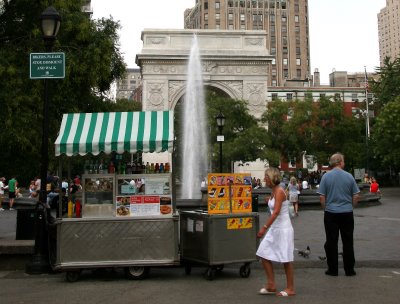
x: 319, y: 129
x: 93, y: 62
x: 386, y: 136
x: 387, y: 87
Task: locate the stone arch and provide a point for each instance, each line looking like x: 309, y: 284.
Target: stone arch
x: 236, y: 62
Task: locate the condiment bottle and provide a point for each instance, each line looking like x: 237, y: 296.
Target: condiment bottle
x: 70, y: 208
x: 78, y: 209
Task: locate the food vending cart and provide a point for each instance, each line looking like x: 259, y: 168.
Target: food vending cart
x: 226, y: 232
x: 127, y: 220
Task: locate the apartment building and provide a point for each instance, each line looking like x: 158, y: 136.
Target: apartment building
x: 128, y: 86
x: 389, y: 30
x: 285, y: 22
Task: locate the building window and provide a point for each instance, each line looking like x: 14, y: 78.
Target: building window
x: 217, y: 5
x: 284, y: 40
x: 298, y: 73
x: 230, y: 16
x: 273, y: 72
x: 284, y: 29
x: 297, y: 40
x: 283, y: 5
x: 285, y: 61
x: 285, y: 50
x: 297, y: 29
x: 231, y: 27
x: 283, y: 19
x: 272, y: 18
x: 230, y: 3
x: 273, y: 40
x: 298, y: 61
x: 286, y: 73
x: 243, y: 27
x: 272, y: 28
x: 273, y: 61
x: 217, y: 26
x: 273, y: 51
x: 274, y: 96
x: 273, y: 83
x: 217, y: 16
x: 205, y: 17
x: 289, y: 96
x: 242, y: 17
x: 296, y: 8
x: 322, y: 95
x: 296, y: 18
x: 206, y: 5
x: 297, y: 51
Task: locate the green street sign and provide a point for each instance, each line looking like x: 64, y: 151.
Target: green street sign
x: 47, y: 65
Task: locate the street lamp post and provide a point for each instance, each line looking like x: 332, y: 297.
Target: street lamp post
x: 50, y: 24
x: 220, y: 118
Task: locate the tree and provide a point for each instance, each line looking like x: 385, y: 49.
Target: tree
x: 385, y: 134
x: 318, y: 129
x: 387, y: 88
x: 244, y: 141
x: 93, y: 62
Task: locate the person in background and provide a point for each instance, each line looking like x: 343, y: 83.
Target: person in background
x: 293, y: 191
x: 338, y: 195
x: 2, y: 187
x: 374, y: 186
x: 277, y: 244
x: 258, y: 184
x: 32, y: 189
x: 12, y: 188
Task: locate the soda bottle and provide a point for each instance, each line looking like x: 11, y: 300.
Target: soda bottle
x: 147, y: 170
x: 111, y: 168
x: 161, y: 168
x: 157, y: 168
x: 152, y: 168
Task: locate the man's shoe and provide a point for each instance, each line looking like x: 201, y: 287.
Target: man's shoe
x: 1, y: 209
x: 11, y: 209
x: 331, y: 273
x: 350, y: 273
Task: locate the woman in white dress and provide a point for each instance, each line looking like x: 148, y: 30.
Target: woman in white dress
x: 278, y: 242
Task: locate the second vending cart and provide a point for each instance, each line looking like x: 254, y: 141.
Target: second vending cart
x: 128, y: 220
x: 226, y: 232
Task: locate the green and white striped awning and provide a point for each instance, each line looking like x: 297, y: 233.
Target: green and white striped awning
x: 83, y: 133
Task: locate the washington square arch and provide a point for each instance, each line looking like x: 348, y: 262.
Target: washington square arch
x: 235, y: 62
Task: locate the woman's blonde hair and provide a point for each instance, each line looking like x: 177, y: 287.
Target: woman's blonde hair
x: 274, y: 175
x: 293, y: 180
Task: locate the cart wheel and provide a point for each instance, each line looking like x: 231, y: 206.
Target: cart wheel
x: 219, y: 268
x: 136, y: 272
x: 188, y: 268
x: 210, y: 273
x: 245, y: 271
x: 72, y: 276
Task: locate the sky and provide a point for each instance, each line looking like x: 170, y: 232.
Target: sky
x: 343, y: 33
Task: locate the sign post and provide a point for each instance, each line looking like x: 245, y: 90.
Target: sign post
x: 47, y: 65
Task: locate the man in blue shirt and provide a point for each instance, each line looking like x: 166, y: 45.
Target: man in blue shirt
x: 338, y: 194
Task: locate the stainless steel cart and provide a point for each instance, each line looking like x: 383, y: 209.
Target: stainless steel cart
x: 122, y: 224
x: 218, y: 239
x: 132, y: 243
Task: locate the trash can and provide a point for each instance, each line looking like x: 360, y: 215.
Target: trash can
x: 254, y: 203
x: 25, y: 224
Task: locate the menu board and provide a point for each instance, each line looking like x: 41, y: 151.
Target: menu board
x: 143, y: 195
x: 142, y: 205
x: 229, y: 193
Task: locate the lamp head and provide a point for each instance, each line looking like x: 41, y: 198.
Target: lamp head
x: 220, y: 118
x: 50, y: 21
